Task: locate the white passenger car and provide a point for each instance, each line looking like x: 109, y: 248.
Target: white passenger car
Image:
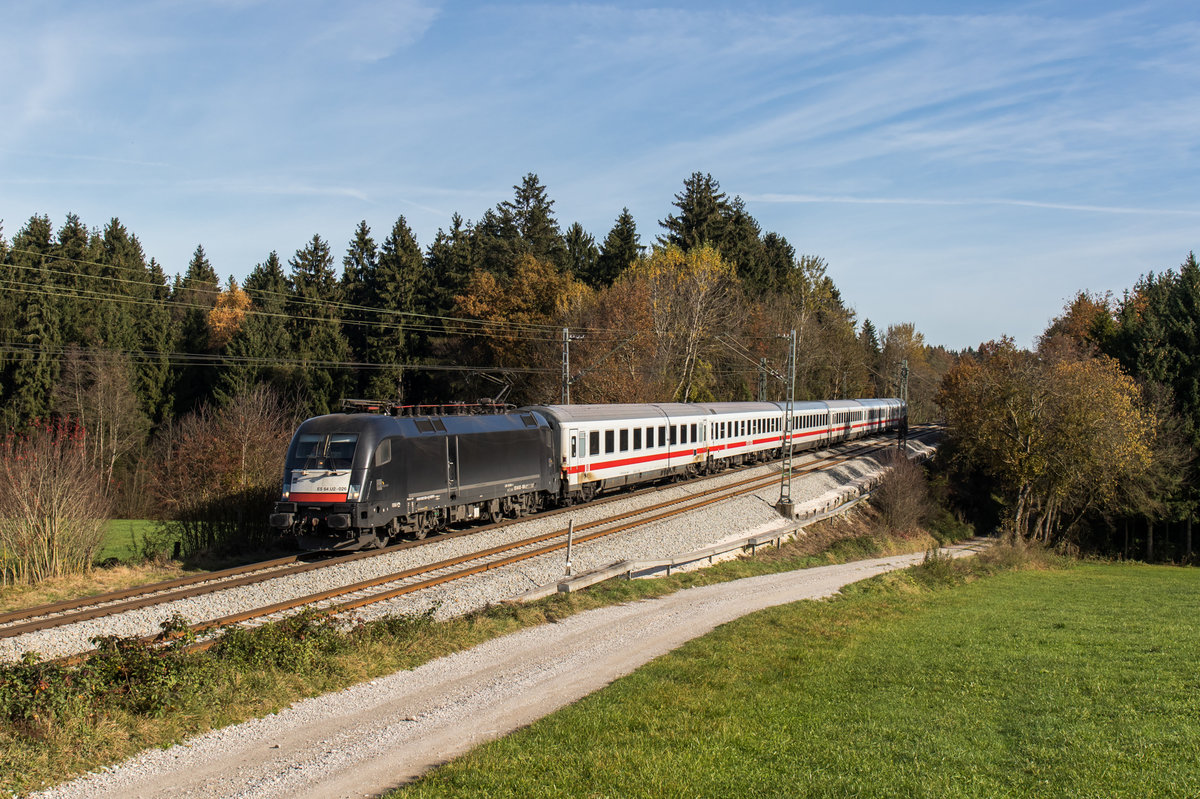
x: 604, y: 446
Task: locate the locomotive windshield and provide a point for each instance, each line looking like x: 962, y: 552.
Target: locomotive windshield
x: 334, y: 451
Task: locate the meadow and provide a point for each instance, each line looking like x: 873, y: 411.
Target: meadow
x: 1048, y: 682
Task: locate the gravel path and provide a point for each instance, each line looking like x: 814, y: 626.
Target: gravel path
x: 377, y: 735
x: 693, y: 531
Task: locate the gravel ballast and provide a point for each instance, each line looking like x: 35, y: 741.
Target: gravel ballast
x: 729, y: 518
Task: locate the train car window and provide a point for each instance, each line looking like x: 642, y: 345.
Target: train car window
x: 594, y: 442
x: 383, y: 453
x: 341, y: 450
x: 424, y: 426
x: 624, y: 440
x: 649, y: 437
x: 528, y: 419
x: 610, y: 441
x: 637, y: 438
x: 574, y: 447
x: 674, y: 434
x: 662, y: 435
x: 683, y: 439
x: 693, y: 433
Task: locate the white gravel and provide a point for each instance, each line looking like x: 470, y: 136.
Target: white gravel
x: 681, y: 534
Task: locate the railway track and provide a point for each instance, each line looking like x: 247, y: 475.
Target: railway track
x: 389, y: 586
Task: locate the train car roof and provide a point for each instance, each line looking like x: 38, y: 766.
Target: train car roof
x: 619, y: 412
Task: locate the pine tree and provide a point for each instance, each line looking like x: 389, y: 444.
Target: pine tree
x: 868, y: 339
x: 77, y: 255
x: 522, y: 226
x: 8, y: 303
x: 32, y: 369
x: 192, y: 301
x: 393, y: 289
x: 316, y: 326
x: 452, y: 258
x: 121, y: 275
x: 778, y: 258
x: 703, y: 214
x: 533, y: 215
x: 358, y: 265
x: 1157, y: 340
x: 263, y: 341
x: 621, y: 248
x: 157, y: 337
x: 582, y: 253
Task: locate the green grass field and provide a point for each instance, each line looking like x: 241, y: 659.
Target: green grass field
x: 121, y: 539
x: 1082, y: 682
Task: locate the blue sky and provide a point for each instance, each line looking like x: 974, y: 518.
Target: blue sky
x: 963, y: 166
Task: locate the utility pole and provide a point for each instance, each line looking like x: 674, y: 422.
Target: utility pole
x: 762, y: 379
x: 566, y: 367
x: 903, y: 436
x: 567, y: 380
x: 785, y: 505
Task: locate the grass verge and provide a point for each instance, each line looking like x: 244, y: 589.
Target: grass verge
x: 1080, y: 682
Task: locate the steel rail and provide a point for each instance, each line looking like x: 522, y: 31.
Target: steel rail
x: 726, y: 491
x: 693, y: 502
x: 59, y: 614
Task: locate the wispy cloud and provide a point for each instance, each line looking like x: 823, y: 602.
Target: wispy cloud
x: 370, y: 30
x: 269, y: 186
x: 846, y: 200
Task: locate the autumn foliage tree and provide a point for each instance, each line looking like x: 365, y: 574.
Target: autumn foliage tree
x: 227, y: 315
x: 691, y: 296
x: 518, y: 315
x: 1057, y: 437
x: 219, y: 472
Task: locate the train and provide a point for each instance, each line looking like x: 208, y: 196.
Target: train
x: 371, y: 477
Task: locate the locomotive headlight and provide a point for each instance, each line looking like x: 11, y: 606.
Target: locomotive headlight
x: 353, y: 494
x: 287, y: 491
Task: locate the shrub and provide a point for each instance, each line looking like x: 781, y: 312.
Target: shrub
x: 296, y: 643
x: 902, y: 497
x: 52, y: 504
x: 220, y: 471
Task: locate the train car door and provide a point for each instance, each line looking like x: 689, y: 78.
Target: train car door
x: 576, y: 450
x: 452, y: 466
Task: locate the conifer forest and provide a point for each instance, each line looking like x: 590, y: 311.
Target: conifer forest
x: 180, y: 386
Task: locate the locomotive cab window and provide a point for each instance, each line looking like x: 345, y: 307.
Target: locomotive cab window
x: 383, y: 453
x: 335, y: 451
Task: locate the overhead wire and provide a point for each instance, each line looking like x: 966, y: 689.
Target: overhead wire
x: 292, y: 298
